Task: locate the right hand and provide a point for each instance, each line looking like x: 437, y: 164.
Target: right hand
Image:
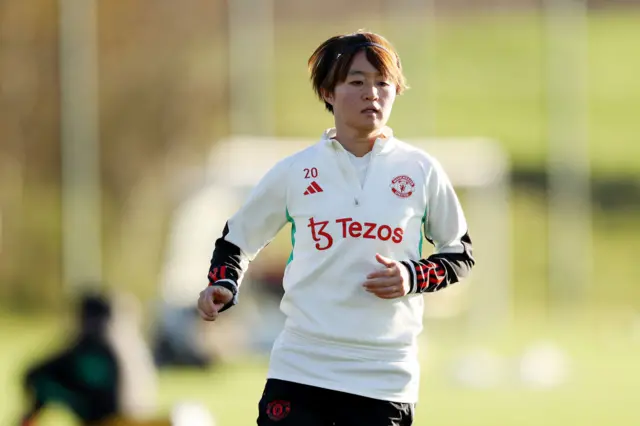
x: 212, y: 299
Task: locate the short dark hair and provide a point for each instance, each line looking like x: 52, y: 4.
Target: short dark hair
x: 330, y: 62
x: 94, y: 307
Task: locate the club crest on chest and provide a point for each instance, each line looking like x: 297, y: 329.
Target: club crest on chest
x: 402, y: 186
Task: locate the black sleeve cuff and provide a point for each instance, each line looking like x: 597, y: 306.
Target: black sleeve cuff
x: 425, y: 276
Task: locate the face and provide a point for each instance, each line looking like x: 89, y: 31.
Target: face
x: 364, y: 100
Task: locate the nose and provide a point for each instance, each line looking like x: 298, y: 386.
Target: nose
x: 370, y: 93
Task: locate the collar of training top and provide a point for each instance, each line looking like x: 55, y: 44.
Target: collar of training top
x: 382, y: 144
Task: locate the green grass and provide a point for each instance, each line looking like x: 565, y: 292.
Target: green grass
x: 485, y: 76
x: 602, y: 337
x: 601, y: 388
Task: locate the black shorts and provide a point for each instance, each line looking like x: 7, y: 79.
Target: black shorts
x: 292, y: 404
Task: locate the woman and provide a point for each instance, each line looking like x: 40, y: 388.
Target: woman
x: 358, y: 202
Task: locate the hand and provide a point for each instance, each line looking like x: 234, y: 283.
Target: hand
x: 390, y: 282
x: 212, y: 299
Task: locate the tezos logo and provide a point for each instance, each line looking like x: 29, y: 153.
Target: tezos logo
x: 352, y: 229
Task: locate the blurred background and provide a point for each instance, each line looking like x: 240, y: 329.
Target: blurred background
x: 131, y: 130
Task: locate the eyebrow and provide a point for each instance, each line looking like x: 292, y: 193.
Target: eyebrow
x: 358, y: 72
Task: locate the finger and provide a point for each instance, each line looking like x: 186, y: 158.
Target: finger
x: 385, y: 260
x: 221, y: 295
x: 205, y: 316
x: 205, y: 302
x: 206, y: 310
x: 387, y: 272
x: 394, y: 295
x: 381, y: 282
x: 385, y: 290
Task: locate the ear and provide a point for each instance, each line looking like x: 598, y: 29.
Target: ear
x: 327, y: 96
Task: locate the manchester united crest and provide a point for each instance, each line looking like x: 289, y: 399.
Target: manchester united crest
x: 278, y: 410
x: 403, y: 186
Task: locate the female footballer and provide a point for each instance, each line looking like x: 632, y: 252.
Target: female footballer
x: 358, y: 201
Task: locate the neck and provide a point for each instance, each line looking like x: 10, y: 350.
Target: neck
x: 355, y: 141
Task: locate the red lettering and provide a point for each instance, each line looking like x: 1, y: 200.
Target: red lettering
x: 344, y: 221
x: 355, y: 229
x: 350, y: 229
x: 316, y: 234
x: 369, y: 232
x: 387, y: 231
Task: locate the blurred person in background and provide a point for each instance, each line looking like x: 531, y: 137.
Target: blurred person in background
x: 84, y: 377
x: 358, y: 202
x: 105, y: 375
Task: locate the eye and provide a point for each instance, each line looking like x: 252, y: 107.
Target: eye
x: 383, y: 84
x: 356, y: 83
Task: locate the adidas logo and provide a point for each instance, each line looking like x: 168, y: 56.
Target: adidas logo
x: 313, y: 188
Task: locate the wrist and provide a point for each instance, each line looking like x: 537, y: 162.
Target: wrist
x: 409, y: 269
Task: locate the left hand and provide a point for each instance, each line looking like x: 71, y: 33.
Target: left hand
x: 388, y: 283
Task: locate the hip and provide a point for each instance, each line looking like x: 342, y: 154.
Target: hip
x: 382, y: 373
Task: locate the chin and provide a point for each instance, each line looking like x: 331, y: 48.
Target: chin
x: 369, y: 126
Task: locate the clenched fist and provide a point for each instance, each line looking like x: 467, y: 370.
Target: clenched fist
x: 390, y: 282
x: 212, y: 299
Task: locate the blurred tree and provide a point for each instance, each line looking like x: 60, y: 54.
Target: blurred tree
x: 29, y: 149
x: 163, y: 103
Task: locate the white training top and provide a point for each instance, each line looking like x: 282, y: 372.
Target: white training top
x: 361, y: 164
x: 343, y: 210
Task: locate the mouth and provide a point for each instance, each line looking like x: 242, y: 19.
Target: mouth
x: 370, y: 110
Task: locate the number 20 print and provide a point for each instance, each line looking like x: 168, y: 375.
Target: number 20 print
x: 310, y: 173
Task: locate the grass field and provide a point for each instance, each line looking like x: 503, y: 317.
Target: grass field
x: 601, y: 390
x: 602, y: 337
